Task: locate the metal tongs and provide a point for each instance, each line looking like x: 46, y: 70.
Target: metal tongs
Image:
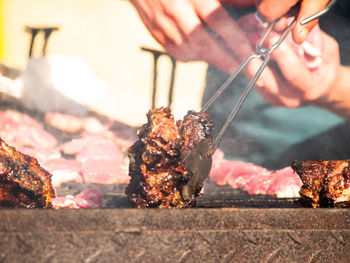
x: 198, y: 161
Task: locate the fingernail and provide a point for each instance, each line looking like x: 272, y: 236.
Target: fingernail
x: 273, y: 40
x: 259, y: 83
x: 303, y: 34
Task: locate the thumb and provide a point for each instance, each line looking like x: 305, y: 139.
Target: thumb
x: 271, y: 10
x: 308, y: 8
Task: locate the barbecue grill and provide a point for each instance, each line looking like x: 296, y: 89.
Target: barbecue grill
x: 185, y: 235
x: 227, y: 225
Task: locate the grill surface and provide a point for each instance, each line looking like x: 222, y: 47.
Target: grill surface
x: 227, y: 226
x: 175, y: 235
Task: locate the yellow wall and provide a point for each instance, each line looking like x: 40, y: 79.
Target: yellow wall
x: 2, y: 18
x: 107, y: 34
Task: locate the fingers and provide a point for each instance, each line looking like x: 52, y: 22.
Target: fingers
x: 273, y: 88
x: 307, y: 9
x: 293, y: 70
x: 271, y: 10
x: 238, y: 3
x: 176, y: 25
x: 198, y: 43
x: 302, y: 82
x: 216, y: 17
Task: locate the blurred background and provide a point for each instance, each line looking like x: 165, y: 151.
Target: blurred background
x: 98, y: 38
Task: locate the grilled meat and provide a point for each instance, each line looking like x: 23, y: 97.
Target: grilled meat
x: 156, y: 167
x: 194, y: 127
x: 23, y: 183
x: 325, y: 183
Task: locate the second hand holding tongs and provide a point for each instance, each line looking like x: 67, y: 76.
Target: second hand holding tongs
x: 198, y: 162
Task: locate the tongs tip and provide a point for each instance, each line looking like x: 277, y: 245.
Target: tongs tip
x: 198, y: 163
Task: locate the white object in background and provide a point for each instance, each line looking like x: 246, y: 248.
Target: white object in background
x: 59, y: 83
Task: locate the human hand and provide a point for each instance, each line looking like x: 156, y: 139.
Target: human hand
x: 290, y: 83
x: 274, y: 9
x: 193, y: 30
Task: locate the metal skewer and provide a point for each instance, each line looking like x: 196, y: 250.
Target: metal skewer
x: 199, y: 160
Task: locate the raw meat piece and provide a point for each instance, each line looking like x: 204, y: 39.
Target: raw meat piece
x: 20, y: 130
x: 23, y: 136
x: 72, y: 124
x: 255, y: 179
x: 64, y: 122
x: 285, y: 183
x: 75, y: 146
x: 41, y: 154
x: 90, y: 198
x: 63, y: 170
x: 101, y: 150
x: 156, y: 165
x: 23, y: 183
x: 325, y: 183
x: 12, y: 119
x: 101, y: 171
x: 102, y: 160
x: 232, y: 170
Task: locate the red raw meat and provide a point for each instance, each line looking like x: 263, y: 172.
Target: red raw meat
x: 105, y: 172
x: 42, y: 154
x: 29, y: 136
x: 91, y: 198
x: 72, y: 124
x: 102, y: 160
x: 255, y: 179
x: 63, y: 170
x: 93, y: 143
x: 234, y: 173
x: 64, y: 122
x: 21, y: 130
x: 12, y: 119
x: 75, y: 146
x: 101, y: 150
x: 285, y: 184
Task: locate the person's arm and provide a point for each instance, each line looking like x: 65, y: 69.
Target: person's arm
x: 275, y: 9
x: 196, y: 30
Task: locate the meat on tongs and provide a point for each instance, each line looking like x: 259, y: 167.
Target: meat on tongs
x: 156, y: 167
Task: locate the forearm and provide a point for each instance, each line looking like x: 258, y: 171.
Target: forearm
x: 338, y: 100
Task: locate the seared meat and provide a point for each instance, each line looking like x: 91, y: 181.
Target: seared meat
x: 325, y: 183
x: 23, y: 183
x: 194, y: 127
x: 156, y: 165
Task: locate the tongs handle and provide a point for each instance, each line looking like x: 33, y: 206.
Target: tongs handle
x: 261, y: 51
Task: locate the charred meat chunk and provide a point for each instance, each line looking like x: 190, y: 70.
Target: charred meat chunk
x: 194, y: 127
x: 156, y: 166
x: 23, y: 183
x: 325, y: 183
